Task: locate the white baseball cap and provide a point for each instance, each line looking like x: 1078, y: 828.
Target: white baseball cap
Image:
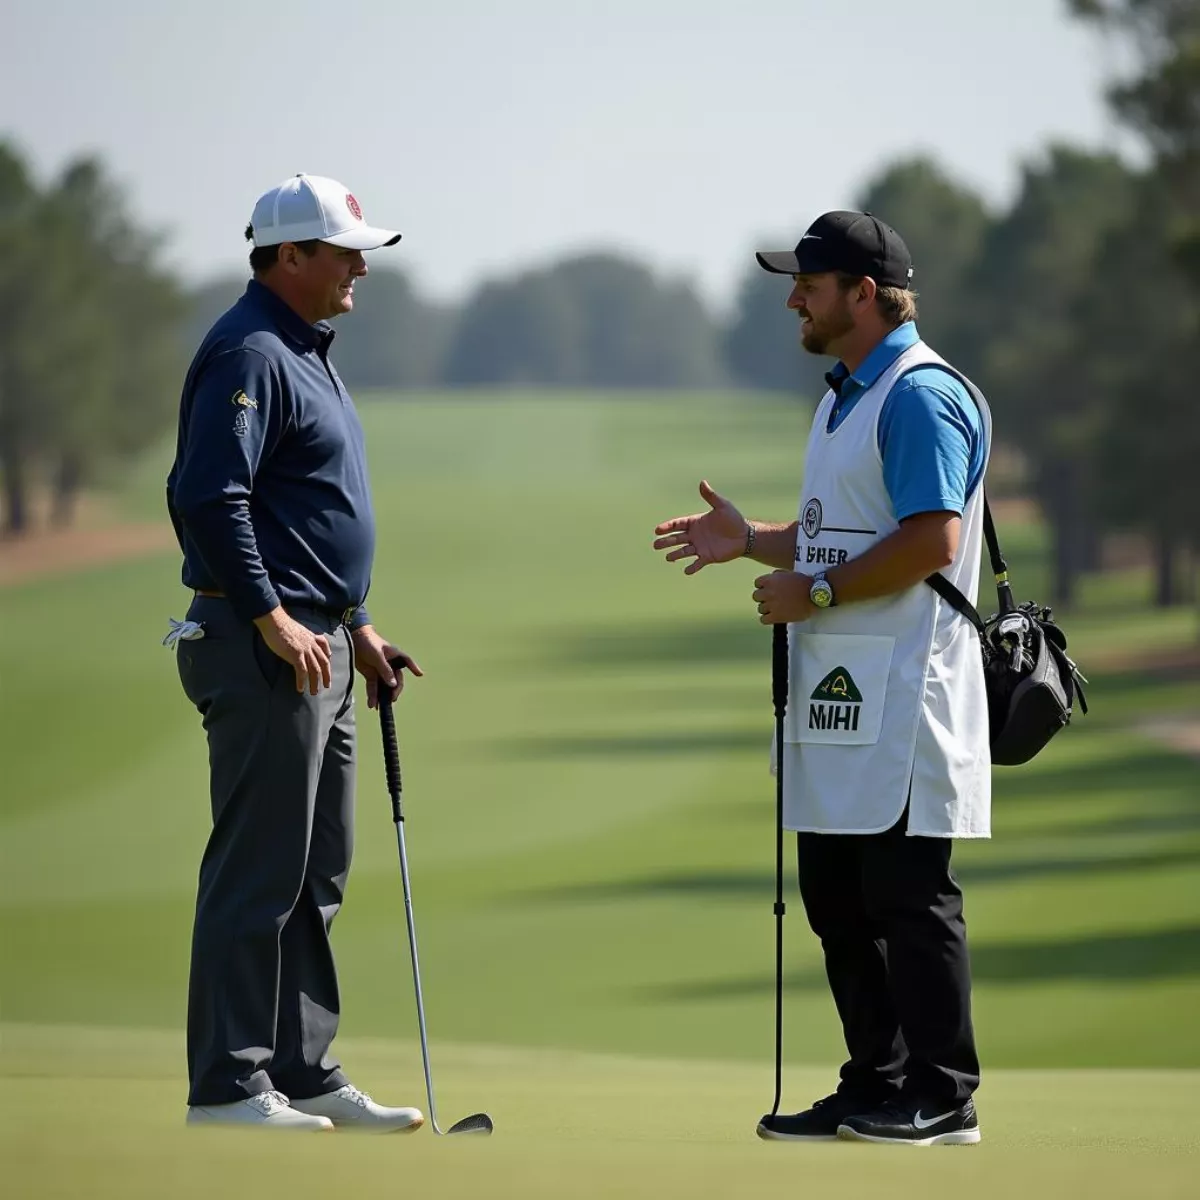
x: 308, y: 207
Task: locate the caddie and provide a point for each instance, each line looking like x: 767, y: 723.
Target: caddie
x: 886, y: 757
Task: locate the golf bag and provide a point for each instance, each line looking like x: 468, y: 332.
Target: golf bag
x: 1031, y: 682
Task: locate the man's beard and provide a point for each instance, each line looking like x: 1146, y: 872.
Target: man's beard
x: 816, y: 339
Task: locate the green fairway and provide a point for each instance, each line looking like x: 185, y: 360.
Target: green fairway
x: 569, y: 1124
x: 591, y: 836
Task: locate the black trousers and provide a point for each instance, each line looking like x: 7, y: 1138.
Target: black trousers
x: 889, y: 915
x: 263, y: 1002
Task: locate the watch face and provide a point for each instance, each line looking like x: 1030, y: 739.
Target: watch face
x: 821, y: 594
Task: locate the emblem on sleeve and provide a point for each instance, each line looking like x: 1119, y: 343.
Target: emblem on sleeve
x: 244, y: 405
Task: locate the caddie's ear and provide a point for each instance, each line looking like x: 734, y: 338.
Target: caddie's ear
x: 866, y: 291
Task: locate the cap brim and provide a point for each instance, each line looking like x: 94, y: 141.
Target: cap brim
x: 781, y: 262
x: 364, y: 237
x: 806, y: 259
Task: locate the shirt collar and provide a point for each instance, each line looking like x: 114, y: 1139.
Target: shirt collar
x: 881, y: 357
x: 287, y: 320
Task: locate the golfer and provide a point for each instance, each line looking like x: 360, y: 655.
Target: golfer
x: 271, y: 505
x: 886, y: 756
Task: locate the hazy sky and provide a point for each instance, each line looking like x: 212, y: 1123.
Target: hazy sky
x: 500, y: 134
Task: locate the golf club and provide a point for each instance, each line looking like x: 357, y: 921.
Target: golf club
x: 779, y: 693
x: 476, y: 1122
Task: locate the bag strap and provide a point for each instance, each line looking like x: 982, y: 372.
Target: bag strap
x: 956, y: 599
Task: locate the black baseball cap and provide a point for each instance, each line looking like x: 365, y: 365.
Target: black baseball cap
x: 854, y: 242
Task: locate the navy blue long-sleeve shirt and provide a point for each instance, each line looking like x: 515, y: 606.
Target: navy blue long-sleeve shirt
x: 269, y: 493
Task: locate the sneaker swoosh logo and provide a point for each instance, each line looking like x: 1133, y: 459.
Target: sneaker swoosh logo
x: 921, y: 1122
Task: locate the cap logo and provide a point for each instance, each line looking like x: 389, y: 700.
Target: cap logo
x: 352, y: 205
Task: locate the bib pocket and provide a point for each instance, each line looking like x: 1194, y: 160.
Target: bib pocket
x: 837, y: 685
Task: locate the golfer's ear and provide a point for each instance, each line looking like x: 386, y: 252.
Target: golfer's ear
x: 289, y: 256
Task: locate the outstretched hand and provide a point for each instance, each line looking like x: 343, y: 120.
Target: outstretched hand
x: 716, y: 536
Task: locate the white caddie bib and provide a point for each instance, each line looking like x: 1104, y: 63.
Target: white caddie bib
x: 886, y: 701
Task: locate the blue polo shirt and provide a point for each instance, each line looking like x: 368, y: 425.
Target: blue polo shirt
x: 931, y: 436
x: 269, y: 493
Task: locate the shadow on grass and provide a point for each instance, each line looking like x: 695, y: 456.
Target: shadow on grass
x: 1143, y: 769
x: 746, y: 885
x: 1100, y: 958
x: 688, y: 644
x: 661, y: 643
x: 1184, y: 820
x: 634, y: 745
x: 1142, y: 773
x: 1150, y: 776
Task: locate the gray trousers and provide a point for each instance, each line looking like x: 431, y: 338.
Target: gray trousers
x: 263, y: 996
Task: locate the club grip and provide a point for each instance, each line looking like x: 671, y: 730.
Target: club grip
x: 391, y: 751
x: 779, y: 669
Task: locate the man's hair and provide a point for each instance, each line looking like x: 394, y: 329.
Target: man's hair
x: 263, y: 257
x: 896, y: 305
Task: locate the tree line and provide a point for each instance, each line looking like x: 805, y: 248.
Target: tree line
x: 89, y: 335
x: 1076, y: 308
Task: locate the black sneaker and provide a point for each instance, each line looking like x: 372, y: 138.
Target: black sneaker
x: 817, y: 1124
x: 903, y: 1123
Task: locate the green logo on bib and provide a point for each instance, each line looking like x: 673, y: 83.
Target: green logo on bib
x: 838, y: 687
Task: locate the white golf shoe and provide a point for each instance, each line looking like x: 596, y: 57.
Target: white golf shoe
x: 271, y: 1110
x: 349, y: 1108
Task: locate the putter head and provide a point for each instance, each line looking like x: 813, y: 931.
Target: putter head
x: 475, y: 1123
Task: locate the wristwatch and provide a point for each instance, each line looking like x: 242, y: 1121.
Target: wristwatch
x: 821, y: 592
